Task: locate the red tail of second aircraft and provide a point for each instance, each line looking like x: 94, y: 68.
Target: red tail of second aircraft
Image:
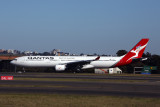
x: 134, y: 53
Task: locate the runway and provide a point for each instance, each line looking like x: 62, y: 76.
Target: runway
x: 148, y: 88
x: 83, y: 76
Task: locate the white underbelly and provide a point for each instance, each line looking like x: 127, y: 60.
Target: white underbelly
x: 103, y: 64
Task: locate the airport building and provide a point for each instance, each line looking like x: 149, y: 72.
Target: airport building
x: 115, y: 70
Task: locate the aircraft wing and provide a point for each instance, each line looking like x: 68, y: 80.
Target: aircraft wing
x: 79, y: 64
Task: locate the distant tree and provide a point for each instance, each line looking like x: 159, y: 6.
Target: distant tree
x: 46, y: 53
x: 81, y: 54
x: 148, y: 55
x: 155, y: 60
x: 94, y: 54
x: 121, y: 52
x: 104, y: 55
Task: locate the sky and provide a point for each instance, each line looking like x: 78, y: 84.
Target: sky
x: 79, y: 26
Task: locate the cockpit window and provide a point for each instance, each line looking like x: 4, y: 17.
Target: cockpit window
x: 14, y: 59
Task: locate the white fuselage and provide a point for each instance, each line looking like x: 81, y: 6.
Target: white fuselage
x: 52, y: 61
x: 62, y: 63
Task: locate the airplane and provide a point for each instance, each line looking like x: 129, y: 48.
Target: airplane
x: 78, y: 63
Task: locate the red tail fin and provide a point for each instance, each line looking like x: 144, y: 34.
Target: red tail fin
x: 135, y: 52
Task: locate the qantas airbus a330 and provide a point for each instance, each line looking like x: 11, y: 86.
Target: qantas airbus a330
x: 61, y: 63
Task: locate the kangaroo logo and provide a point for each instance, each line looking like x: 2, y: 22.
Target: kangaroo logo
x: 136, y: 51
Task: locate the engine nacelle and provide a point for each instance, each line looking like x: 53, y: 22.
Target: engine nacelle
x: 60, y: 67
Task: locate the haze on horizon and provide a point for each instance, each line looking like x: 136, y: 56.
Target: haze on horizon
x: 79, y: 26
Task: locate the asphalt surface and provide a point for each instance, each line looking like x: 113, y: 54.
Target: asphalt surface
x: 148, y: 88
x: 83, y: 76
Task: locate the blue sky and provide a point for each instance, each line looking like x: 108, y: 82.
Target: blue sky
x: 79, y: 26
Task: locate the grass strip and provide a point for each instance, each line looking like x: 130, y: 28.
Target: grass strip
x: 60, y: 100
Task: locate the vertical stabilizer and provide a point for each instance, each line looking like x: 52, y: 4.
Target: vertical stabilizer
x: 134, y: 53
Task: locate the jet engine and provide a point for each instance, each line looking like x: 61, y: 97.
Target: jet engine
x: 60, y: 67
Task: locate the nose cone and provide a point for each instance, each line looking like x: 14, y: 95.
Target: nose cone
x: 14, y: 62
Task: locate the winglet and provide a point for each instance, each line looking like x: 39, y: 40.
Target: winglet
x: 97, y: 58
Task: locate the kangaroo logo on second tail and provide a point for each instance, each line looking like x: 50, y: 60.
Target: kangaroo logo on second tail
x: 136, y: 51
